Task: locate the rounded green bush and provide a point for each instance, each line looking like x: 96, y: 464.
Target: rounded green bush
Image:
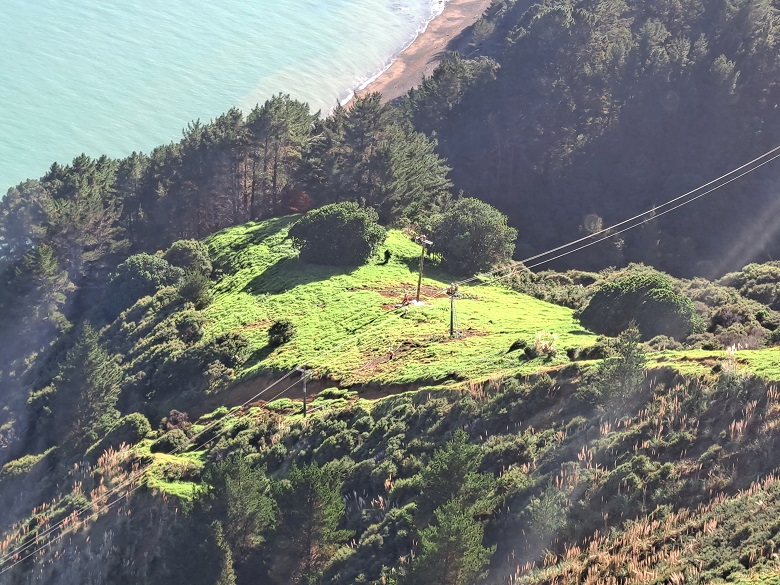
x: 280, y: 332
x: 472, y: 236
x: 139, y: 276
x: 170, y: 441
x: 189, y: 255
x: 645, y: 299
x: 338, y: 234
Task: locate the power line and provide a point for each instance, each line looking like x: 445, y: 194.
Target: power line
x: 126, y: 483
x: 662, y: 205
x: 133, y: 477
x: 652, y: 212
x: 655, y: 216
x: 607, y: 232
x: 139, y: 474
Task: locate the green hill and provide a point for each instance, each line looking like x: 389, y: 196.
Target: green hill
x: 349, y: 320
x: 514, y: 452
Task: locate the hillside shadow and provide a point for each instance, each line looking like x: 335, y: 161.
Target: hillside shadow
x: 288, y: 273
x: 255, y: 232
x: 258, y: 356
x: 433, y: 262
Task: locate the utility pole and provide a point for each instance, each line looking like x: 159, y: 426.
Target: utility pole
x: 424, y: 243
x: 452, y: 291
x: 302, y: 369
x: 452, y: 315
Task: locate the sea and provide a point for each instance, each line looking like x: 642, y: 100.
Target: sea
x: 113, y: 77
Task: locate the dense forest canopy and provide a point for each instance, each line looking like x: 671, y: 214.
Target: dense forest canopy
x: 608, y: 108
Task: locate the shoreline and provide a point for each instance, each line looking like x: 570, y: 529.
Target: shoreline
x: 420, y: 58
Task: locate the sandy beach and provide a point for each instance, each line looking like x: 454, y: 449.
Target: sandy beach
x: 421, y: 57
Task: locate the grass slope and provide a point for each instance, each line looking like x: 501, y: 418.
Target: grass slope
x: 764, y: 363
x: 347, y: 323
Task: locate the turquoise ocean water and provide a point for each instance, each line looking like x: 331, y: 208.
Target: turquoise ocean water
x: 112, y: 77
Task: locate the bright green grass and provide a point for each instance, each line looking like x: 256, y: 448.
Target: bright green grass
x: 764, y: 363
x: 167, y: 473
x: 346, y: 326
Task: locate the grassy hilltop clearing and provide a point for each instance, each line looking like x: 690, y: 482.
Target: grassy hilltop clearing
x: 348, y: 319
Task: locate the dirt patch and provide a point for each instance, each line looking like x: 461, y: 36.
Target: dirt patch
x: 262, y: 324
x: 464, y: 333
x: 427, y: 292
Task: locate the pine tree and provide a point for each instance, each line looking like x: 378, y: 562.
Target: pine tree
x: 227, y: 576
x: 241, y: 496
x: 279, y: 132
x: 451, y: 549
x: 311, y: 511
x: 87, y: 388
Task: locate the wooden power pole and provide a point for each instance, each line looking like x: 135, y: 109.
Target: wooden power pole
x: 452, y: 291
x: 424, y: 243
x: 302, y: 369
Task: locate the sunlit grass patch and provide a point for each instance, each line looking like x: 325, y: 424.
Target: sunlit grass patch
x: 349, y: 323
x: 174, y: 474
x: 764, y: 363
x: 350, y: 326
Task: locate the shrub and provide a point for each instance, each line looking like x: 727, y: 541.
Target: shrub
x: 768, y: 319
x: 567, y: 289
x: 189, y: 255
x: 472, y: 236
x: 283, y: 406
x: 727, y: 315
x: 170, y: 441
x: 139, y: 276
x: 706, y: 341
x: 646, y: 299
x: 131, y: 428
x: 618, y: 378
x: 21, y: 466
x: 743, y: 336
x: 281, y: 332
x: 598, y: 351
x: 335, y: 393
x: 760, y: 282
x: 518, y: 344
x: 176, y: 420
x: 196, y: 288
x: 189, y: 325
x: 544, y: 344
x: 662, y: 342
x: 203, y: 365
x: 339, y: 233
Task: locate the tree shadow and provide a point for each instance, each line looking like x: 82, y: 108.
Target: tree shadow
x: 257, y: 232
x: 258, y: 356
x: 288, y: 273
x: 434, y: 262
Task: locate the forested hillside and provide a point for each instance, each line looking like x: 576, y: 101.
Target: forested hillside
x: 215, y: 369
x: 523, y: 449
x: 567, y: 114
